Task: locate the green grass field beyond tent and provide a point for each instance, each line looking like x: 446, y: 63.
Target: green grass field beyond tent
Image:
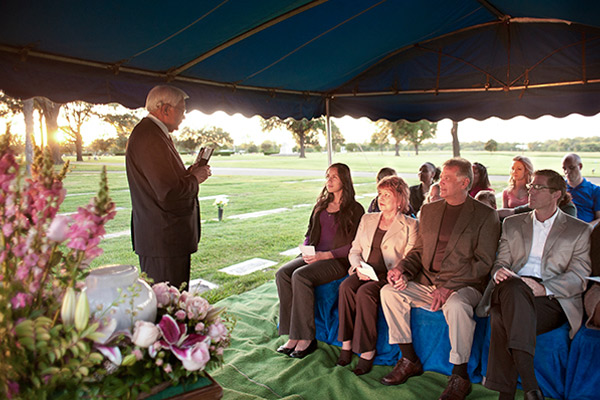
x: 235, y: 240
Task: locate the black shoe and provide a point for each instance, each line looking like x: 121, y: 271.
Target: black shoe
x: 345, y: 358
x: 285, y: 350
x: 364, y: 366
x: 303, y: 353
x: 534, y: 395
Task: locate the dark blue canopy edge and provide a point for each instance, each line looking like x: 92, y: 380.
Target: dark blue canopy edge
x: 380, y: 59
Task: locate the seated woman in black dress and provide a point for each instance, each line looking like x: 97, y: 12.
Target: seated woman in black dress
x: 428, y: 175
x: 331, y: 228
x: 382, y: 240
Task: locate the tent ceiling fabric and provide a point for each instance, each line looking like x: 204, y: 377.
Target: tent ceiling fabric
x: 389, y: 59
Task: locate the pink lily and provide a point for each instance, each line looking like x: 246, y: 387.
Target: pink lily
x: 191, y: 349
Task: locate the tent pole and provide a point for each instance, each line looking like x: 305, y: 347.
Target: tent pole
x: 329, y: 144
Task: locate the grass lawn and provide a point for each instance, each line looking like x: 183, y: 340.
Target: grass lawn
x: 235, y: 240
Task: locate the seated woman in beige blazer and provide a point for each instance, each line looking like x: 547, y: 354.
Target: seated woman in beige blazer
x: 382, y: 240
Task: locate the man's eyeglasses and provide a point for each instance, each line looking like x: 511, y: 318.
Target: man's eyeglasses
x: 536, y: 186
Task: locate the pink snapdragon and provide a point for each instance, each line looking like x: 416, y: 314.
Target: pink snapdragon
x: 59, y: 229
x: 21, y: 300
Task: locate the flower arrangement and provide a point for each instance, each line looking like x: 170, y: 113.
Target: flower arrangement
x: 221, y: 202
x: 53, y: 345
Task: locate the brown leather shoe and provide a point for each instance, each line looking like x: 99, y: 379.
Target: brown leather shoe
x: 403, y: 370
x: 458, y: 388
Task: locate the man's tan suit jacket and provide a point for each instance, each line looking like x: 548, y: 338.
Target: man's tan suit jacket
x: 565, y: 260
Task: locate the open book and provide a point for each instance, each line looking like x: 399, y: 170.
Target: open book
x: 203, y: 155
x: 367, y: 270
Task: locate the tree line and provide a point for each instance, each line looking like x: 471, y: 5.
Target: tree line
x: 308, y: 134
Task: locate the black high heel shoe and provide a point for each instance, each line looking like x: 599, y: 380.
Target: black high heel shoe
x: 285, y: 350
x: 364, y: 366
x: 345, y: 358
x: 303, y: 353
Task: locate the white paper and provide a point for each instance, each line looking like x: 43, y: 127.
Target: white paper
x: 307, y: 250
x: 511, y: 273
x: 593, y: 278
x: 367, y: 270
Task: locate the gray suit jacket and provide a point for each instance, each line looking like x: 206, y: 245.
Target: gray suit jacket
x: 470, y: 251
x: 397, y: 241
x: 565, y: 260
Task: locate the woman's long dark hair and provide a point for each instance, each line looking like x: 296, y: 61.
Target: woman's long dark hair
x: 343, y: 217
x: 484, y: 180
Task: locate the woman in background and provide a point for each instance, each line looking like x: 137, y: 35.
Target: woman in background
x: 428, y: 174
x: 382, y: 240
x: 383, y: 172
x: 480, y: 179
x: 516, y: 194
x: 331, y: 229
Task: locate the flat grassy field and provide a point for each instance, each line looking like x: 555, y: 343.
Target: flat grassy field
x: 235, y: 240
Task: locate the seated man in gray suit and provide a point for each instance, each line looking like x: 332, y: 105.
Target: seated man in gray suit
x: 538, y: 280
x: 447, y: 269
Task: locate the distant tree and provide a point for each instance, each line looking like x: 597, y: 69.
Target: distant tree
x: 9, y: 107
x: 102, y: 145
x: 380, y: 139
x: 248, y: 147
x: 491, y: 146
x: 417, y: 132
x: 412, y: 132
x: 123, y: 124
x: 304, y: 131
x: 455, y: 142
x: 352, y: 147
x: 214, y: 137
x: 337, y: 140
x: 76, y: 113
x: 269, y: 147
x: 396, y: 130
x: 50, y: 111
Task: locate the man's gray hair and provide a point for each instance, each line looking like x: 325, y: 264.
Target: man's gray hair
x: 164, y: 94
x: 465, y: 169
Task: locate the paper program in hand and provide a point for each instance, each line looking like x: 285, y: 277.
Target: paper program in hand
x: 307, y: 250
x: 367, y: 270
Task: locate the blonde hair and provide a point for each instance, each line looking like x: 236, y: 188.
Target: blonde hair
x: 528, y: 170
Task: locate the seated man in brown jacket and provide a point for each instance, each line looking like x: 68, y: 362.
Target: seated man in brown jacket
x: 447, y: 269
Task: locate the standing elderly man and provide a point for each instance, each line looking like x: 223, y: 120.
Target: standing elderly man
x: 538, y: 280
x: 165, y: 217
x: 586, y: 195
x: 447, y: 269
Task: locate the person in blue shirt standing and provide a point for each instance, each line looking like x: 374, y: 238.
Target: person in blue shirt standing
x: 586, y: 195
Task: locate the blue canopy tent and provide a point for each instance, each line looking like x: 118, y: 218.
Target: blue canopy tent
x: 295, y: 58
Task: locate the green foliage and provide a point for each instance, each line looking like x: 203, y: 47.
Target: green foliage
x: 305, y: 131
x: 190, y: 140
x: 269, y: 147
x: 491, y: 145
x: 413, y: 133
